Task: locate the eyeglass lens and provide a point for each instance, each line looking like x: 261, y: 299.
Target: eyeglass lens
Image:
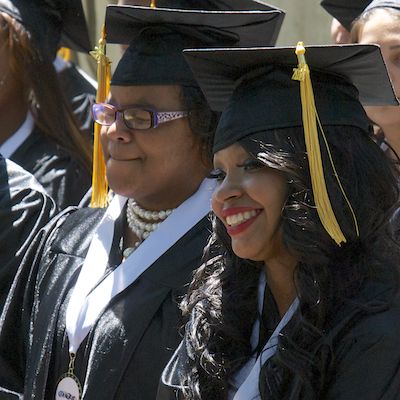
x: 134, y: 118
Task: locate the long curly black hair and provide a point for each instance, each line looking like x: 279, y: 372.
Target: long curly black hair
x: 221, y: 305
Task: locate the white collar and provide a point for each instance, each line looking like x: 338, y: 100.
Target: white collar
x: 8, y: 148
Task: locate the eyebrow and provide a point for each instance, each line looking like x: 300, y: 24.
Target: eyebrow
x: 395, y: 46
x: 113, y: 102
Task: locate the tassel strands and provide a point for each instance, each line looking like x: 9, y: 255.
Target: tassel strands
x: 310, y: 120
x: 99, y: 180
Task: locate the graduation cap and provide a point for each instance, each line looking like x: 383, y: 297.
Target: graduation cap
x: 345, y: 11
x: 52, y: 23
x: 157, y: 37
x: 216, y: 5
x: 263, y: 89
x: 218, y: 70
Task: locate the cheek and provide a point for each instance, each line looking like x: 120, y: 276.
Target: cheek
x: 215, y: 204
x: 104, y: 139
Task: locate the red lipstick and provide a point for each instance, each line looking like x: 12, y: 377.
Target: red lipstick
x: 238, y: 228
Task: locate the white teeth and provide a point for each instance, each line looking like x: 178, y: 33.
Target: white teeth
x: 239, y: 218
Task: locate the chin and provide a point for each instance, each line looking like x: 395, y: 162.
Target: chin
x: 121, y: 187
x: 246, y: 253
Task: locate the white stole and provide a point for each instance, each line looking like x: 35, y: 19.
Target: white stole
x: 249, y: 389
x: 89, y: 297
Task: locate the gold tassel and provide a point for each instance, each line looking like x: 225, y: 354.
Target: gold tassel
x: 153, y: 4
x: 65, y: 53
x: 99, y: 180
x: 310, y: 119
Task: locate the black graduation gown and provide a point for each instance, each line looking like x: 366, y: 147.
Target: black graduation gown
x: 62, y: 175
x: 81, y: 94
x: 126, y: 351
x: 24, y: 209
x: 365, y: 359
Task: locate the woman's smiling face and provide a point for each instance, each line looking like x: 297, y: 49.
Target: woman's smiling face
x: 158, y: 167
x: 248, y: 200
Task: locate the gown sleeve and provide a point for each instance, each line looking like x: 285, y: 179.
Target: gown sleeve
x: 15, y: 321
x: 24, y: 210
x: 367, y: 361
x: 61, y: 174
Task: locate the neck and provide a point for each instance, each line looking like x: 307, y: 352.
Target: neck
x: 280, y: 278
x: 11, y: 119
x: 392, y: 136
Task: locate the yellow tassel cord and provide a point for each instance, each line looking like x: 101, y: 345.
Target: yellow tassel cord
x: 310, y: 119
x: 65, y: 53
x: 99, y: 180
x: 153, y: 4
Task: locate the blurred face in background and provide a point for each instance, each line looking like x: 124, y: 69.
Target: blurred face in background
x: 383, y: 28
x: 339, y: 34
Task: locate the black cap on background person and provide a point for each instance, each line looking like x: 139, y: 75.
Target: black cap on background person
x: 52, y: 23
x: 157, y: 37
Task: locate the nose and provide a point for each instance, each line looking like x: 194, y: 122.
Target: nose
x: 227, y: 190
x: 118, y: 131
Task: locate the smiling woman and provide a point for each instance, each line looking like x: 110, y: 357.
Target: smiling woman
x: 249, y: 200
x: 158, y: 166
x: 298, y: 294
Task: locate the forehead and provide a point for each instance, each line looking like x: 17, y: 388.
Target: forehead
x: 381, y: 24
x: 159, y: 96
x: 231, y: 154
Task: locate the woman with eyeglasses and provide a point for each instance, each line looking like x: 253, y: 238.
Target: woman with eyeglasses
x: 100, y: 317
x: 37, y: 128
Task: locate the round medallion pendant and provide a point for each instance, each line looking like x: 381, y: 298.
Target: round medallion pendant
x: 68, y: 388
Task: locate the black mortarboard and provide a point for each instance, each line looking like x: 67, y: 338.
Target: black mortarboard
x: 345, y: 11
x: 52, y: 23
x: 219, y: 70
x: 262, y: 89
x: 216, y: 5
x: 158, y: 36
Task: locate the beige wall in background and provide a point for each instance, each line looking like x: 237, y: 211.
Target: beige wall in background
x: 305, y: 20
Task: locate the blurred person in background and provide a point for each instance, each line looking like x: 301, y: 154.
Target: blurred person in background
x: 377, y: 22
x: 79, y: 88
x: 380, y: 24
x: 38, y: 130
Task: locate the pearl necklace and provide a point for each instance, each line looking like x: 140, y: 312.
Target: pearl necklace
x: 142, y: 222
